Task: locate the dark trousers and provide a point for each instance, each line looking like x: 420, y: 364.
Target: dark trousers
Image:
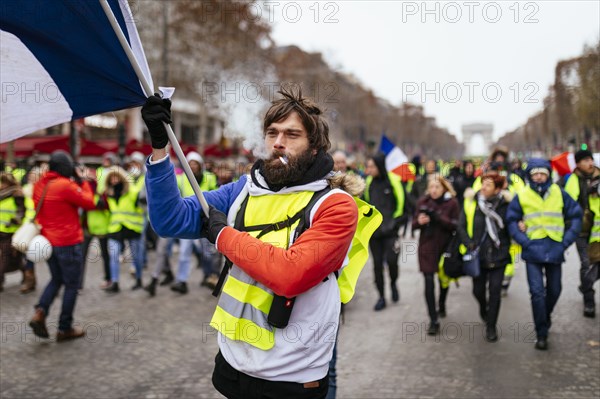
x: 234, y: 384
x: 103, y: 252
x: 489, y: 304
x: 383, y: 250
x: 586, y: 284
x: 430, y: 296
x: 543, y: 297
x: 65, y: 269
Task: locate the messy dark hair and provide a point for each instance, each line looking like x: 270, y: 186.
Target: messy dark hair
x: 310, y: 114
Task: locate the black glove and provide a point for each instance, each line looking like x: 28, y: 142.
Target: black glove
x: 154, y: 112
x: 213, y: 225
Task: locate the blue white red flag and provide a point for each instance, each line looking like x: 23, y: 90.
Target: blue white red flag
x: 395, y: 160
x: 61, y: 60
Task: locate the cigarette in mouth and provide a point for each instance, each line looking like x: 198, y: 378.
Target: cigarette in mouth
x: 283, y: 160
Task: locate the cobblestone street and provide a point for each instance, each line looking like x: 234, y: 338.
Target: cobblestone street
x: 162, y: 347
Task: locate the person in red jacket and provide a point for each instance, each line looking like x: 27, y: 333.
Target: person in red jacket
x: 64, y: 193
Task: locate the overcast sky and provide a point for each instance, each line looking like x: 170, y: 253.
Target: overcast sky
x: 470, y: 61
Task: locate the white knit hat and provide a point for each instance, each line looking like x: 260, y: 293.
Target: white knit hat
x: 137, y: 157
x: 194, y: 156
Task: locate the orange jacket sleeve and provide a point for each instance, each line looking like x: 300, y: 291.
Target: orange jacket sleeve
x: 319, y: 251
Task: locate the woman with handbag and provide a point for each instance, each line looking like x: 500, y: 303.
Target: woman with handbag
x: 483, y: 231
x: 436, y: 216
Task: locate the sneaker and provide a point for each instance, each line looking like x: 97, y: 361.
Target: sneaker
x: 105, y: 284
x: 180, y: 287
x: 73, y: 333
x: 380, y: 304
x: 38, y: 323
x: 211, y: 281
x: 433, y: 328
x: 541, y: 343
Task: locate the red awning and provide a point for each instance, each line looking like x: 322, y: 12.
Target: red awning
x: 216, y: 150
x: 26, y: 146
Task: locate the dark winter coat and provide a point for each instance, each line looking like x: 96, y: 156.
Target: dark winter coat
x: 490, y: 256
x: 434, y: 237
x: 545, y: 250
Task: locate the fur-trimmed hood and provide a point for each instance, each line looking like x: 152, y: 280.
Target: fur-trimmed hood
x: 123, y: 178
x: 351, y: 183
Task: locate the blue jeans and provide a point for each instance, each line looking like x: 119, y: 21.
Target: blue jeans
x: 114, y: 250
x: 186, y: 248
x: 65, y: 269
x: 543, y: 298
x: 209, y: 257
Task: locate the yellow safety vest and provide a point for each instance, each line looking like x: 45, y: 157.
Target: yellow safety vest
x: 543, y: 216
x: 396, y: 183
x: 125, y: 212
x: 244, y: 304
x: 8, y: 210
x: 572, y: 186
x: 209, y: 183
x: 469, y: 206
x: 595, y: 207
x: 98, y: 220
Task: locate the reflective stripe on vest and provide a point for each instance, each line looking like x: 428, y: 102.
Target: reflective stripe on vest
x: 595, y: 207
x: 396, y: 183
x: 125, y: 213
x: 209, y: 183
x: 543, y: 216
x: 244, y: 304
x: 8, y: 210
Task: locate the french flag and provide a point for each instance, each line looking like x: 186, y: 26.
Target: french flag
x: 396, y: 160
x: 564, y: 163
x: 61, y: 60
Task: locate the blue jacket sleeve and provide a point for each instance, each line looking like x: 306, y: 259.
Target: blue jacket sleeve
x: 573, y: 213
x: 173, y: 216
x: 514, y: 214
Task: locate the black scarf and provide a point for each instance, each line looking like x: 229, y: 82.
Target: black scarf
x: 322, y: 165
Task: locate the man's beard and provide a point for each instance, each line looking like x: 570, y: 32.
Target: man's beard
x: 276, y: 173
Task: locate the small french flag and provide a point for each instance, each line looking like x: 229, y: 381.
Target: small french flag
x: 396, y: 160
x: 564, y: 163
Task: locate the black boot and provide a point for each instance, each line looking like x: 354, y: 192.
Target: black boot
x: 491, y: 335
x: 434, y: 328
x: 395, y: 294
x: 138, y: 284
x: 151, y: 288
x: 114, y: 288
x: 180, y: 287
x: 168, y: 278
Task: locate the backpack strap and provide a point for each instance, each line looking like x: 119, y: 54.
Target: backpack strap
x: 303, y: 215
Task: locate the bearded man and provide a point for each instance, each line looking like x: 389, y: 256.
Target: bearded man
x: 287, y: 230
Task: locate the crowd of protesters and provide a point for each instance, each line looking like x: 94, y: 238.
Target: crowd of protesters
x: 497, y: 206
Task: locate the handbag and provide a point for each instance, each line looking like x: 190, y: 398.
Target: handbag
x: 471, y: 265
x: 29, y: 229
x: 452, y: 259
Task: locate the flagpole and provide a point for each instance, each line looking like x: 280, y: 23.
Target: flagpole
x: 138, y: 71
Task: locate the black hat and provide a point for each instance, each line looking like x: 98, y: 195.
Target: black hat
x: 582, y: 154
x: 61, y: 163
